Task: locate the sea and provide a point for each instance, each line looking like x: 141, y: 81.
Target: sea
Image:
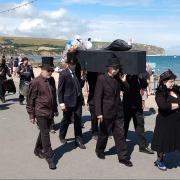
x: 158, y: 63
x: 163, y: 63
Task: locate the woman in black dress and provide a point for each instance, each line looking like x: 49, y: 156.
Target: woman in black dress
x: 167, y: 130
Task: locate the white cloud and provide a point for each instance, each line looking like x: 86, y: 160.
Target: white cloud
x: 55, y: 15
x: 30, y: 25
x: 60, y: 23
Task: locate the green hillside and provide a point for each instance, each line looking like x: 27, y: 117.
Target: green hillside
x: 43, y: 46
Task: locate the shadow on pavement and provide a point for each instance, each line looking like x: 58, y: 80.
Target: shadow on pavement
x: 68, y: 147
x: 5, y: 106
x: 150, y: 112
x: 131, y: 143
x: 14, y: 100
x: 86, y: 118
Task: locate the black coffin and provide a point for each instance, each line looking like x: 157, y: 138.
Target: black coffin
x: 132, y: 62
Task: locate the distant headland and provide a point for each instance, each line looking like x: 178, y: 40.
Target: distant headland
x: 46, y: 46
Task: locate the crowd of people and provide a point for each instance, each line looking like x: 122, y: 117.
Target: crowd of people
x: 114, y: 99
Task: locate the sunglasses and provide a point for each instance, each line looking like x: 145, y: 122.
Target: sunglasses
x: 50, y: 70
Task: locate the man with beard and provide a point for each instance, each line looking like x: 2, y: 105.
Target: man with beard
x: 109, y: 111
x: 42, y: 107
x: 26, y: 74
x: 4, y: 71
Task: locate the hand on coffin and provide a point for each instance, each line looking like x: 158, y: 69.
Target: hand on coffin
x: 123, y: 77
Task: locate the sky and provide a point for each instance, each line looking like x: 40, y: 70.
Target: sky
x: 153, y: 22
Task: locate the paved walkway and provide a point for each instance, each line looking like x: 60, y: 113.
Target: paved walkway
x: 17, y: 161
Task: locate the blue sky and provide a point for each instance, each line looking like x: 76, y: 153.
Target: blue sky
x: 145, y: 21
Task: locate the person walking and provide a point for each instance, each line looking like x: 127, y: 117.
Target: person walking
x: 166, y: 136
x: 15, y: 65
x: 4, y: 71
x: 109, y: 111
x: 42, y: 107
x: 71, y: 100
x: 92, y: 79
x: 133, y: 108
x: 26, y: 74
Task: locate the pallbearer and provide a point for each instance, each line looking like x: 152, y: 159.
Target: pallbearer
x: 109, y: 111
x: 42, y: 107
x: 71, y: 100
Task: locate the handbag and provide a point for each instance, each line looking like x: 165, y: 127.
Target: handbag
x: 24, y: 88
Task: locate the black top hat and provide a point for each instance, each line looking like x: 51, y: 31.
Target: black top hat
x: 47, y: 62
x: 167, y: 75
x: 71, y: 57
x: 113, y: 62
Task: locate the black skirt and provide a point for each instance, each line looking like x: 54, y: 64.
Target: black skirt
x: 166, y: 136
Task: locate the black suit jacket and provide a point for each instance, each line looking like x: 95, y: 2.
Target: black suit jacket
x: 132, y: 97
x: 92, y: 79
x: 67, y: 92
x: 107, y: 97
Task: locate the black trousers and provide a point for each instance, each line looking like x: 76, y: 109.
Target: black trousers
x: 94, y: 120
x: 116, y: 126
x: 66, y: 121
x: 43, y: 140
x: 21, y: 97
x: 138, y: 120
x: 2, y: 89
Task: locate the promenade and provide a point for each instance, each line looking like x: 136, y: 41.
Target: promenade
x: 18, y: 137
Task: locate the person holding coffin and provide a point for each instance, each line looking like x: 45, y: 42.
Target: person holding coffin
x: 92, y: 79
x: 71, y: 100
x: 109, y: 111
x: 26, y: 74
x: 42, y: 107
x: 133, y: 108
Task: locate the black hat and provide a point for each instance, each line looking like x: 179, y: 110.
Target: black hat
x: 24, y: 59
x: 113, y: 62
x: 71, y: 57
x: 47, y: 62
x: 167, y: 75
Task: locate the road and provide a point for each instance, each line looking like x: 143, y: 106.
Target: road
x: 18, y: 136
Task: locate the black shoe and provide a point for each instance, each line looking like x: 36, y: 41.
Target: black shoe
x: 39, y: 153
x: 126, y: 162
x: 63, y: 141
x: 21, y: 102
x: 82, y: 125
x: 101, y: 155
x: 80, y: 144
x: 3, y: 100
x: 51, y: 163
x: 146, y: 150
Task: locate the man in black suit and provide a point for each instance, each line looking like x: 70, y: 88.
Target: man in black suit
x: 109, y: 111
x: 92, y: 78
x: 71, y: 100
x: 133, y: 108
